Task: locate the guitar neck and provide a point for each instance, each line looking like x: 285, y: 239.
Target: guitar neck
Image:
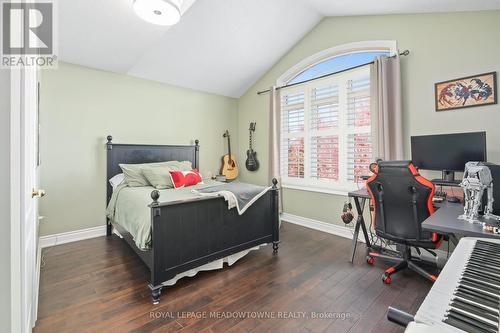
x: 229, y: 147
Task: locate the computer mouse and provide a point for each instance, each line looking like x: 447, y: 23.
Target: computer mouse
x: 453, y: 199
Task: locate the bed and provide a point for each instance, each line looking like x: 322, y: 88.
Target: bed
x: 190, y: 231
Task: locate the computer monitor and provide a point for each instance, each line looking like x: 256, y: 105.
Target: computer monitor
x: 448, y: 152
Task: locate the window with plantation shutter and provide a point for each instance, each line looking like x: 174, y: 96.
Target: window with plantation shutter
x: 326, y: 138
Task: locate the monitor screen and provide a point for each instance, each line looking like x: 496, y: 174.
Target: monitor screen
x: 448, y: 151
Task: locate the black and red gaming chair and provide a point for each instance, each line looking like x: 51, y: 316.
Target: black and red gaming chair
x: 402, y: 200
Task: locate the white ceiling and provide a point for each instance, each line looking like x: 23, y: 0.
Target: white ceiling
x: 219, y: 46
x: 378, y: 7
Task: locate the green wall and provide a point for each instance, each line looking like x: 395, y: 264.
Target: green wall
x: 442, y: 46
x: 79, y: 107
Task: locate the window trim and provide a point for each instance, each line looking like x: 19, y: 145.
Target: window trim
x: 330, y: 190
x: 336, y: 51
x: 340, y: 188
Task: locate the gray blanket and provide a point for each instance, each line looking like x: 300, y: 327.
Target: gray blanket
x: 237, y: 194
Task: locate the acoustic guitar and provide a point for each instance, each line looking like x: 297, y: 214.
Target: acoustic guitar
x: 229, y: 167
x: 251, y: 163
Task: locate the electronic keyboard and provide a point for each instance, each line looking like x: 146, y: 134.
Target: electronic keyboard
x: 466, y: 295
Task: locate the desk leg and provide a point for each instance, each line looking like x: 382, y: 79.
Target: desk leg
x: 354, y: 239
x: 365, y: 233
x: 360, y: 222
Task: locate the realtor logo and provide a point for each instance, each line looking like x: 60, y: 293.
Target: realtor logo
x: 28, y: 34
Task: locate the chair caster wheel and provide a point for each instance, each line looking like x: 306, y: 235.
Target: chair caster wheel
x: 386, y: 279
x: 370, y: 260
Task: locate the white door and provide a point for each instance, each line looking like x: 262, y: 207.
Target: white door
x: 24, y: 194
x: 29, y: 196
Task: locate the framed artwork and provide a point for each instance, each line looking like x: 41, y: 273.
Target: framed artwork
x: 476, y: 90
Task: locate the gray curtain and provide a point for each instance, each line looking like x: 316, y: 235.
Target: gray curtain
x: 387, y: 108
x: 274, y: 140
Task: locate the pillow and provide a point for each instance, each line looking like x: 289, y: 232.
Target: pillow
x: 183, y: 166
x: 185, y: 178
x: 135, y: 177
x: 159, y: 176
x: 117, y: 180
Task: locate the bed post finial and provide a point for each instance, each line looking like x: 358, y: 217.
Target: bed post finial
x: 155, y: 195
x: 275, y: 208
x: 109, y: 143
x: 197, y: 154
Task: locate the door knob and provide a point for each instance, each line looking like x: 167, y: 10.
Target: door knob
x: 37, y: 193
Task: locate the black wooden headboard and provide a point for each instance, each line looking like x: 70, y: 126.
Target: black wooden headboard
x: 140, y: 153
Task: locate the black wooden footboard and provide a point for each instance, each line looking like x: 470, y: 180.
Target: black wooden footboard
x: 191, y: 233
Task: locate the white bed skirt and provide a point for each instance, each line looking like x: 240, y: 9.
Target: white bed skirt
x: 211, y: 266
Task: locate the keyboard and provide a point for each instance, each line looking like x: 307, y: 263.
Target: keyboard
x: 440, y: 194
x: 466, y: 295
x: 444, y: 182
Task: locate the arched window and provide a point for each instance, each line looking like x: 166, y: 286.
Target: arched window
x: 337, y: 64
x: 326, y: 136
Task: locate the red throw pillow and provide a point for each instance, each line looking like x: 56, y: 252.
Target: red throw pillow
x: 185, y: 178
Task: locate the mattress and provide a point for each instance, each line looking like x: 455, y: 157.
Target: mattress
x: 128, y: 207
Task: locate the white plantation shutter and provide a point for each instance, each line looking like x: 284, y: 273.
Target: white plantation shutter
x: 292, y: 134
x: 359, y: 156
x: 326, y: 131
x: 324, y: 107
x: 324, y: 142
x: 325, y: 157
x: 358, y: 102
x: 359, y: 139
x: 294, y: 164
x: 293, y: 112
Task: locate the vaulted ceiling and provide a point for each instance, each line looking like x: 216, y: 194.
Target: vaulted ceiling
x: 219, y: 46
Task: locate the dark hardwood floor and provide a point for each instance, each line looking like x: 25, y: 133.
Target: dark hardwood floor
x: 99, y: 285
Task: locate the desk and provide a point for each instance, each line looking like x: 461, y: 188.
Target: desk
x: 445, y: 222
x: 360, y: 221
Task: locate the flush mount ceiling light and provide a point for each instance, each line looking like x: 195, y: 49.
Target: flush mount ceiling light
x: 160, y: 12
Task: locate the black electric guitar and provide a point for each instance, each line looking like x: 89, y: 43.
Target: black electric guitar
x: 251, y: 163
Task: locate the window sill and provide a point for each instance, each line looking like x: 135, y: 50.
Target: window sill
x: 342, y: 192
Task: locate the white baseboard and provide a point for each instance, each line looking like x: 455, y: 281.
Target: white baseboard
x: 341, y: 231
x: 330, y: 228
x: 72, y: 236
x: 37, y: 285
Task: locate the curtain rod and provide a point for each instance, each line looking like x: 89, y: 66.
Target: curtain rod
x: 404, y: 53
